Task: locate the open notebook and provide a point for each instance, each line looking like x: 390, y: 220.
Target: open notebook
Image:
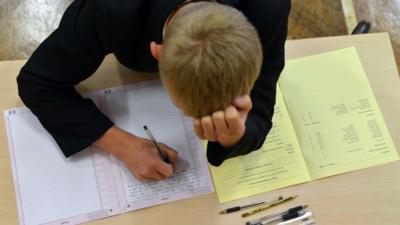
x: 52, y: 189
x: 326, y: 122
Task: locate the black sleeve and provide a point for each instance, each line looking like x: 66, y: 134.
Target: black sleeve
x: 68, y: 56
x: 271, y: 20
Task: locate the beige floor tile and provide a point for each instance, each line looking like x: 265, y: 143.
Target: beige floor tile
x: 384, y: 16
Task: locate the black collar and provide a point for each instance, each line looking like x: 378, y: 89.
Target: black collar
x: 159, y: 10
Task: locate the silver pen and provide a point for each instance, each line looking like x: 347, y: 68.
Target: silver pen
x: 283, y: 218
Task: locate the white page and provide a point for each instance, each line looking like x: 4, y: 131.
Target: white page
x: 132, y: 107
x: 49, y: 187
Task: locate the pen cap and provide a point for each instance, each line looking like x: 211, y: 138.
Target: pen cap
x: 295, y: 209
x: 233, y: 209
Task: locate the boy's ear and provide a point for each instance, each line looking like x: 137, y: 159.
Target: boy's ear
x: 156, y: 50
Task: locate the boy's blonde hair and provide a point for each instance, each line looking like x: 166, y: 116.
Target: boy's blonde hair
x: 211, y: 55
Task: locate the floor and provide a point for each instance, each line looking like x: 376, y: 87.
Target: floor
x: 384, y: 16
x: 25, y: 23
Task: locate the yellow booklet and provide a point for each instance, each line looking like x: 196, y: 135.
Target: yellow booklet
x: 326, y: 122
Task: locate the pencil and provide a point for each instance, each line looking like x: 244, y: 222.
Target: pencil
x: 261, y: 209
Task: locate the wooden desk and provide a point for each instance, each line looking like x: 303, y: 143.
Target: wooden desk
x: 369, y: 196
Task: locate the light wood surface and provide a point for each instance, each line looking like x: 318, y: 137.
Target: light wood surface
x: 368, y: 196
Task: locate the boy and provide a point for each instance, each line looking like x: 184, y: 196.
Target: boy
x: 212, y: 62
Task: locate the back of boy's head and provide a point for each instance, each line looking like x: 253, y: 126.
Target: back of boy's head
x: 211, y: 55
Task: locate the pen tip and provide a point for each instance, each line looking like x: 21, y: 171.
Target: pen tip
x: 305, y: 206
x: 145, y: 127
x: 222, y: 212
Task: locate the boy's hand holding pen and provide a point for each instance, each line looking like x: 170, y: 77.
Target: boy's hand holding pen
x: 140, y: 155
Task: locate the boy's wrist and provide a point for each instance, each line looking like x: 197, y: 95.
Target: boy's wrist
x: 113, y: 141
x: 230, y: 144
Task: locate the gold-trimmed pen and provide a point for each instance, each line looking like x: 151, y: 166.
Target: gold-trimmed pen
x: 261, y: 209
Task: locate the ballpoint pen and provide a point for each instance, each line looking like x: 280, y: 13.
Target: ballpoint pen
x: 291, y: 210
x: 306, y: 219
x: 238, y: 208
x: 286, y: 217
x: 268, y: 206
x: 160, y: 152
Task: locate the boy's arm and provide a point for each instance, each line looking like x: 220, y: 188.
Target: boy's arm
x: 69, y: 55
x: 46, y: 85
x: 272, y: 29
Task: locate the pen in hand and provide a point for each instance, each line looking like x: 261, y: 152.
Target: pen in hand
x: 160, y: 152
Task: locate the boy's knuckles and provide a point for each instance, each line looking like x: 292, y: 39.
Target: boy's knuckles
x: 197, y: 123
x: 140, y: 177
x: 232, y: 111
x: 219, y: 115
x: 153, y: 165
x: 147, y: 172
x: 232, y: 117
x: 168, y: 173
x: 206, y: 120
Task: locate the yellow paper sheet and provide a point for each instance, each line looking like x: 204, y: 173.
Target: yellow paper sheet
x: 334, y: 112
x: 279, y: 163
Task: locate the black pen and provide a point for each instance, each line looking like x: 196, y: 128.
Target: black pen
x: 283, y: 218
x: 264, y: 218
x: 238, y: 208
x: 160, y: 152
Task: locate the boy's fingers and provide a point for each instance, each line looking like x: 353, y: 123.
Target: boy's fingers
x: 198, y: 129
x: 208, y: 127
x: 233, y: 119
x: 243, y: 103
x: 144, y: 178
x: 157, y: 176
x: 165, y: 169
x: 171, y: 154
x: 220, y: 122
x: 150, y: 176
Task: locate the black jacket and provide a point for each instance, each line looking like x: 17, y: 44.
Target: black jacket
x: 91, y: 29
